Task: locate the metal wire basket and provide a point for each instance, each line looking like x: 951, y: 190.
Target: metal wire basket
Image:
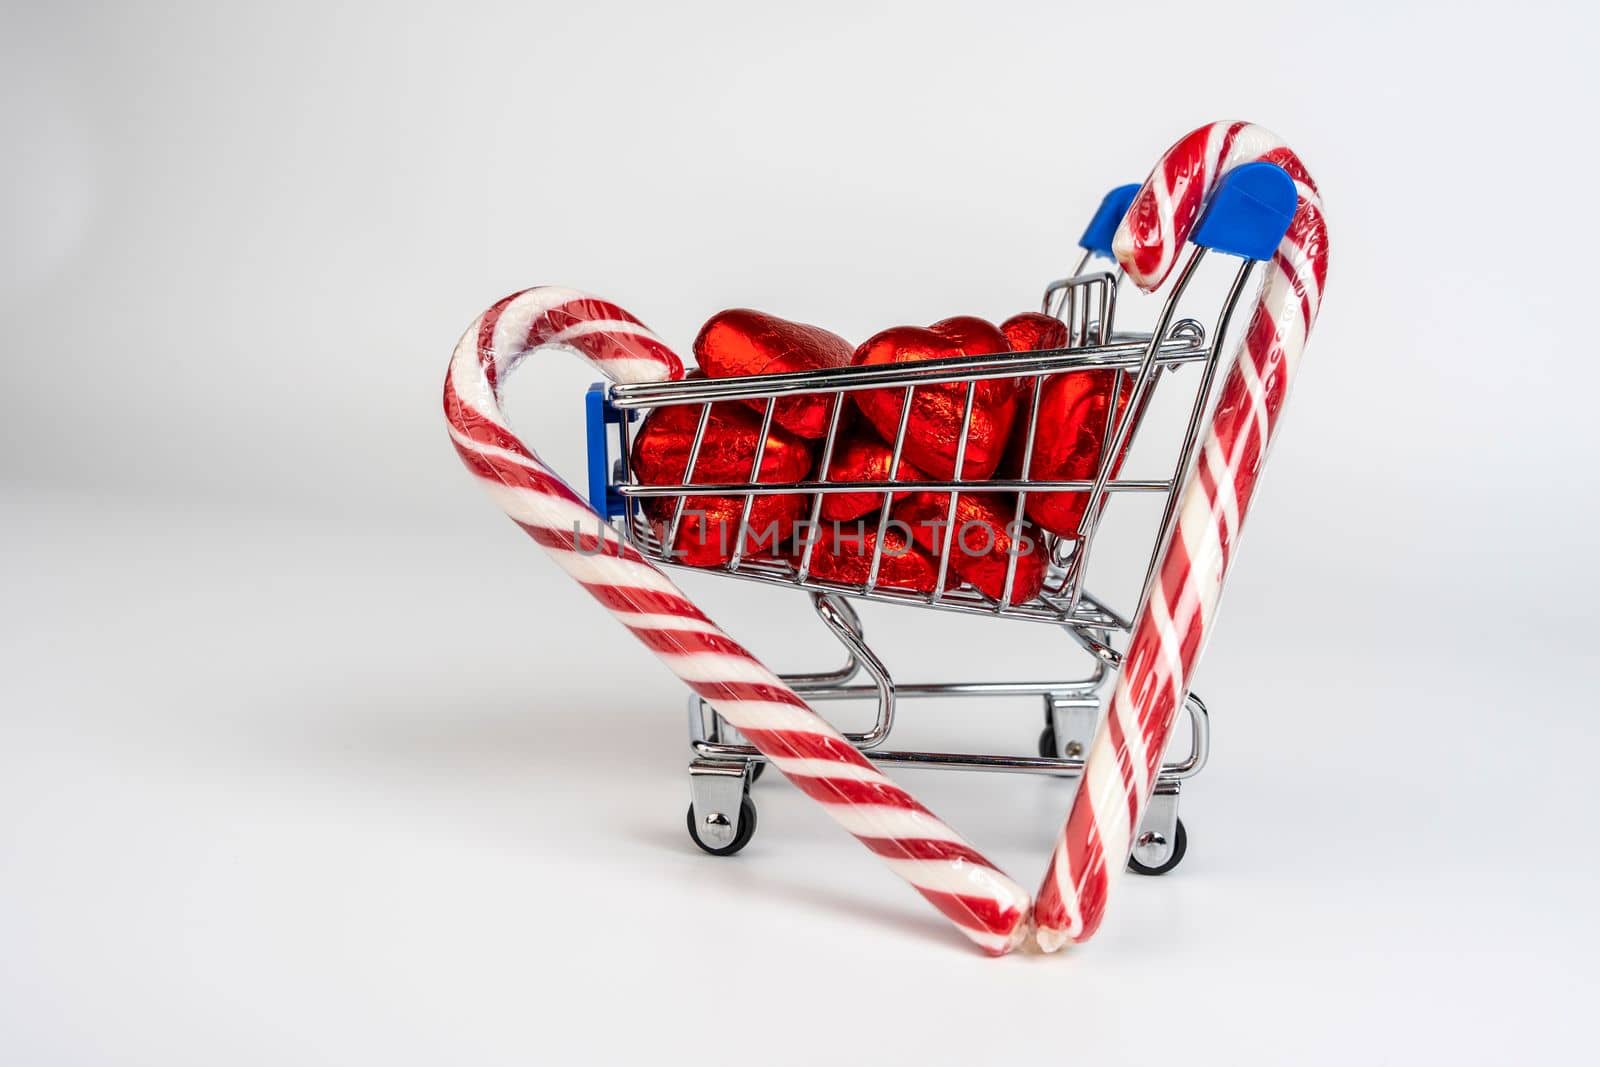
x: 722, y: 816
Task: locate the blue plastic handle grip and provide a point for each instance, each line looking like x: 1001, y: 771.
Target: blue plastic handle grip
x: 1249, y: 212
x: 1103, y: 227
x: 598, y: 414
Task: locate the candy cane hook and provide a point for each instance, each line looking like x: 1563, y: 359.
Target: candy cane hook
x: 1170, y: 633
x: 984, y: 904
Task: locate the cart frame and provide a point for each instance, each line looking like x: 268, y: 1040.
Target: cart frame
x: 721, y: 817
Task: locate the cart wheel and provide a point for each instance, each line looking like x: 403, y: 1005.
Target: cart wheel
x: 1047, y: 743
x: 757, y: 770
x: 747, y: 830
x: 1180, y: 845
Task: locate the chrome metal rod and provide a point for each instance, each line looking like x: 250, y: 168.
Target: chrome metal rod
x: 1022, y: 494
x: 1049, y: 609
x: 846, y: 626
x: 1128, y: 352
x: 997, y: 485
x: 888, y: 495
x: 1090, y: 522
x: 755, y: 478
x: 1191, y: 433
x: 1065, y: 285
x: 1177, y: 771
x: 937, y: 690
x: 816, y: 504
x: 950, y: 511
x: 823, y: 680
x: 688, y: 476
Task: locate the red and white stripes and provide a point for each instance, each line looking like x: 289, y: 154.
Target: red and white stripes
x: 984, y: 904
x: 1171, y: 630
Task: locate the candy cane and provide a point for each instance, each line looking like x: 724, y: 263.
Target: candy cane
x: 1170, y: 633
x: 984, y: 904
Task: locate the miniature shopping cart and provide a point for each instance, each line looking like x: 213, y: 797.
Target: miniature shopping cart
x: 722, y: 816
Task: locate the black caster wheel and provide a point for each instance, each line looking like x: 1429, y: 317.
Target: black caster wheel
x: 1179, y: 847
x: 747, y: 830
x: 1047, y: 745
x: 757, y: 770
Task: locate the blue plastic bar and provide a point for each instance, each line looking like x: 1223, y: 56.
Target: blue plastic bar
x: 1103, y: 227
x: 598, y: 414
x: 1249, y: 212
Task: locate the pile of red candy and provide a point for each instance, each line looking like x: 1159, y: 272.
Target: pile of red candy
x: 1068, y: 441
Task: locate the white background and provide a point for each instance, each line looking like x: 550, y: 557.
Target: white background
x: 307, y: 756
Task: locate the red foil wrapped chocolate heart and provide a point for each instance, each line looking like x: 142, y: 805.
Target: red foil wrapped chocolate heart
x: 986, y: 535
x: 1074, y: 423
x: 740, y: 342
x: 843, y: 554
x: 862, y: 457
x: 933, y: 429
x: 709, y: 527
x: 1031, y: 331
x: 1034, y: 331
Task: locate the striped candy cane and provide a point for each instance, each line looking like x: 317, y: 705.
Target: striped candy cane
x: 1171, y: 631
x: 984, y: 904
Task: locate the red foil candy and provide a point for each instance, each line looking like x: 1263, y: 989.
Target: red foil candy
x: 1034, y: 331
x: 710, y: 525
x: 862, y: 457
x: 983, y: 542
x: 844, y: 555
x: 741, y: 342
x: 934, y: 427
x: 1069, y: 441
x: 1031, y: 331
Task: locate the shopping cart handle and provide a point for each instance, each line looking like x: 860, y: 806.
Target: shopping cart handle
x: 1103, y: 227
x: 1249, y: 212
